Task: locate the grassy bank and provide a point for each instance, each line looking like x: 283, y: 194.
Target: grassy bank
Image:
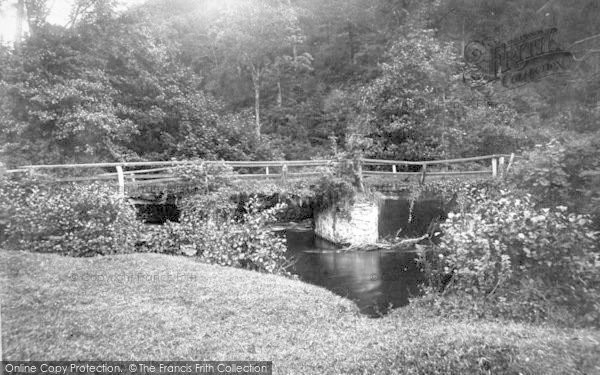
x: 151, y: 307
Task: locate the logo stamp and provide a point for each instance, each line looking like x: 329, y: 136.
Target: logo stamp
x: 527, y: 58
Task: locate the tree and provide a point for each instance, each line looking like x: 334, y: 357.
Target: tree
x: 420, y: 109
x: 251, y: 36
x: 37, y: 12
x: 296, y: 62
x: 57, y: 103
x: 399, y: 108
x: 91, y: 11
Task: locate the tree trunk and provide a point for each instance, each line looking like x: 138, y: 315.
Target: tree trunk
x: 351, y: 41
x: 462, y: 42
x: 20, y: 21
x: 444, y: 147
x: 256, y: 83
x: 279, y: 96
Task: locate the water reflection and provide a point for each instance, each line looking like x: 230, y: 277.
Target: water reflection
x: 375, y: 280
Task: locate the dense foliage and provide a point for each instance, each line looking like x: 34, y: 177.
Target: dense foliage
x: 274, y: 79
x: 87, y: 220
x: 501, y: 256
x: 78, y: 220
x: 418, y: 108
x: 563, y: 173
x: 214, y: 234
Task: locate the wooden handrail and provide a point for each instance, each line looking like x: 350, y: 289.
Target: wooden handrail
x: 273, y: 169
x: 589, y: 173
x: 251, y: 164
x: 430, y: 162
x: 429, y: 174
x: 126, y: 173
x: 248, y: 164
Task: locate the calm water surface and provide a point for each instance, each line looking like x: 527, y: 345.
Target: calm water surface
x: 375, y: 280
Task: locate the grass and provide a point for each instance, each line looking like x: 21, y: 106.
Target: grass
x: 107, y: 308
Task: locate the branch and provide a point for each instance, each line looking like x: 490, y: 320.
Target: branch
x: 452, y: 10
x: 590, y: 52
x: 585, y: 39
x: 544, y: 6
x: 495, y: 288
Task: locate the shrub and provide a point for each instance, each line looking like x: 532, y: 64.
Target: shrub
x: 207, y: 175
x: 78, y: 220
x: 559, y: 173
x: 544, y: 173
x: 248, y: 244
x: 504, y: 257
x: 209, y: 227
x: 166, y: 238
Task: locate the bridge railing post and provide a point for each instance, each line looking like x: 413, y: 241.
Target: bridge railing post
x: 121, y: 179
x: 510, y: 162
x: 358, y: 173
x: 423, y: 173
x: 284, y: 172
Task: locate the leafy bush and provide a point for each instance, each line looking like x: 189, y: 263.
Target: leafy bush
x: 165, y: 239
x: 559, y: 173
x: 78, y: 220
x: 544, y: 173
x: 248, y: 244
x: 210, y: 176
x: 503, y: 257
x: 210, y: 229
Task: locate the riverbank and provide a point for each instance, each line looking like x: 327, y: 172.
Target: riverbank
x: 150, y: 307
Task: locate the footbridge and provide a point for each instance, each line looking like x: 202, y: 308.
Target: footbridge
x: 381, y: 173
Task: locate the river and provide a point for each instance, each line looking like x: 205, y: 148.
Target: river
x: 375, y: 280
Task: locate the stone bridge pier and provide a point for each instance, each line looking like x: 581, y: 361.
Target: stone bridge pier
x: 368, y: 221
x: 357, y: 227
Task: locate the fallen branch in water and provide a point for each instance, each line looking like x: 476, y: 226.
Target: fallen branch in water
x: 412, y: 241
x: 398, y: 245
